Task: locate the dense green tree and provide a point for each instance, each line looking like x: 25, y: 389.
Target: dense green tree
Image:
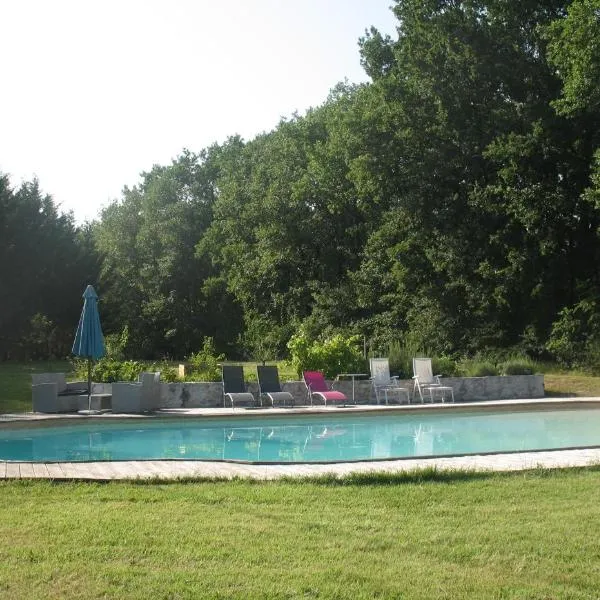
x: 574, y: 48
x: 486, y: 178
x: 152, y: 281
x: 287, y: 218
x: 45, y: 264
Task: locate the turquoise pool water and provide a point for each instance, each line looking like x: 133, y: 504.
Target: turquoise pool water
x: 318, y: 438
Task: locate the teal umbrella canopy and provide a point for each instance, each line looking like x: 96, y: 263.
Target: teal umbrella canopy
x: 89, y: 341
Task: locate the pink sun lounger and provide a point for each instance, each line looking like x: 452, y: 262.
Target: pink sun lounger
x: 317, y: 386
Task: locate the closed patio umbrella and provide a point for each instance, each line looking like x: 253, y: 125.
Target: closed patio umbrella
x: 89, y: 341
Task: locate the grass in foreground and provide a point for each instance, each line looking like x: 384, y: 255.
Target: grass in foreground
x: 527, y: 535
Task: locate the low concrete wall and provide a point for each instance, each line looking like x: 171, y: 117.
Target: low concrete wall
x: 466, y: 389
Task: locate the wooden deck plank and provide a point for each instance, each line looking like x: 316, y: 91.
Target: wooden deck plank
x: 12, y: 470
x: 98, y: 470
x: 65, y: 467
x: 55, y: 471
x: 238, y: 470
x: 181, y: 467
x: 195, y: 469
x: 126, y: 470
x: 160, y: 468
x: 74, y: 470
x: 155, y: 467
x: 102, y: 470
x: 40, y: 470
x: 204, y: 469
x: 26, y: 470
x: 199, y: 468
x: 142, y: 468
x: 165, y: 468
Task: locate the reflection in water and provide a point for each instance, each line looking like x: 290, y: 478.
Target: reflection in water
x: 292, y: 439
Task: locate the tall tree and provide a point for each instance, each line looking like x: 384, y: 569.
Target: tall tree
x: 45, y: 263
x: 153, y: 282
x: 483, y: 173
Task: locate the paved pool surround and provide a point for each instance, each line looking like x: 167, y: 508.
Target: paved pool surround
x: 466, y: 389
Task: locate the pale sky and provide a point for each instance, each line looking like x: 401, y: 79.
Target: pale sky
x: 94, y: 93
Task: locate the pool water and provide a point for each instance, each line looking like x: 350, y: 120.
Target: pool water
x: 318, y: 438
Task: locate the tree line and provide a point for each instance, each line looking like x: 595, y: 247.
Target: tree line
x: 453, y: 202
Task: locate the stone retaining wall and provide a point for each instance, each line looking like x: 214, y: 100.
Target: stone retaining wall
x: 466, y: 389
x: 506, y: 387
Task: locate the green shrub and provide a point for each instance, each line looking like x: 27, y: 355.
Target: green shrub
x: 574, y: 333
x: 517, y: 366
x: 108, y: 370
x: 205, y: 363
x: 444, y: 366
x: 401, y: 354
x: 168, y: 373
x: 332, y: 356
x: 250, y: 376
x: 478, y: 368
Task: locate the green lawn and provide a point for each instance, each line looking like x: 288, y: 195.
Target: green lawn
x: 15, y: 382
x: 525, y: 535
x: 572, y: 384
x: 286, y: 372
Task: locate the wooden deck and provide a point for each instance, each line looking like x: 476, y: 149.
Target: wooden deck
x: 173, y: 469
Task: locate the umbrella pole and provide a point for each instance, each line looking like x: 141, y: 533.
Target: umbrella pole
x: 89, y: 384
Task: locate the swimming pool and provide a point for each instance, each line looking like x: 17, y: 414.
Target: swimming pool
x: 295, y: 438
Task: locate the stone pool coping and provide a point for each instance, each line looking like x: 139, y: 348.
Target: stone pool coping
x: 173, y: 469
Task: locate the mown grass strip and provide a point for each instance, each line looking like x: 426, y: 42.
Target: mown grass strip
x: 425, y: 535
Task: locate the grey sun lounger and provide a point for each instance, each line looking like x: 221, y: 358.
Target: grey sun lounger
x: 234, y: 387
x: 269, y: 386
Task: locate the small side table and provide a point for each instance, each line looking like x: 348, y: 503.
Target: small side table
x: 353, y: 376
